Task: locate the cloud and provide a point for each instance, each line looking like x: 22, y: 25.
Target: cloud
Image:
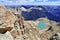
x: 27, y: 2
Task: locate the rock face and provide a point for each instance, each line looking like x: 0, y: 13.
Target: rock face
x: 55, y: 37
x: 7, y: 26
x: 7, y: 20
x: 6, y: 36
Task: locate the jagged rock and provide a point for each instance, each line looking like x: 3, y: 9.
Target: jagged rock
x: 4, y: 30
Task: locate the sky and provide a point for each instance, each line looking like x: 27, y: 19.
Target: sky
x: 30, y: 2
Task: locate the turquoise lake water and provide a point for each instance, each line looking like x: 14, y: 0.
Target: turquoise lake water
x: 42, y: 25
